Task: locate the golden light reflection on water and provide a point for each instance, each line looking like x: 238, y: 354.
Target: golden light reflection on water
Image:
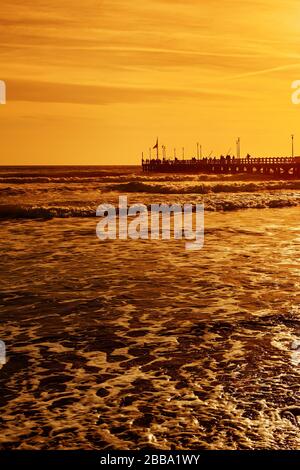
x: 152, y: 344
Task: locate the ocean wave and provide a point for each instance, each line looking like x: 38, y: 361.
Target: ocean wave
x: 9, y: 191
x: 47, y: 179
x: 28, y: 211
x: 144, y: 178
x: 205, y: 188
x: 16, y: 211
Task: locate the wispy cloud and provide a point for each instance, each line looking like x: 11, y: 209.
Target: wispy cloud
x: 177, y: 64
x: 54, y: 92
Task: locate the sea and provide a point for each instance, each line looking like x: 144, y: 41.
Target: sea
x: 134, y: 344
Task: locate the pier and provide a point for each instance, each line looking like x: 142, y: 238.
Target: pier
x: 283, y: 167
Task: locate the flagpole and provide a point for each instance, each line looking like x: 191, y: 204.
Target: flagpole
x: 156, y: 147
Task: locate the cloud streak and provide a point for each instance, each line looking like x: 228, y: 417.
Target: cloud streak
x: 178, y: 66
x: 51, y: 92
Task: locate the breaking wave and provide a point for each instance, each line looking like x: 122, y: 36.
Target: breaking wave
x: 142, y: 180
x: 8, y: 191
x: 28, y: 211
x: 204, y: 188
x: 16, y: 211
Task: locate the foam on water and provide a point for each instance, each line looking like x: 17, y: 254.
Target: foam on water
x: 140, y: 343
x: 131, y: 344
x: 76, y: 192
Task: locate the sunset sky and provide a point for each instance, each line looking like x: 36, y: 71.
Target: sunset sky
x: 95, y: 82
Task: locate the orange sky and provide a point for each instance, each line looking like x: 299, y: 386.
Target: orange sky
x: 95, y: 81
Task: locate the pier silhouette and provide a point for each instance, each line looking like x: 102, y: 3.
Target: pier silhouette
x: 284, y: 167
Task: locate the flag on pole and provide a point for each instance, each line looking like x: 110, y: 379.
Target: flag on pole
x: 156, y: 145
